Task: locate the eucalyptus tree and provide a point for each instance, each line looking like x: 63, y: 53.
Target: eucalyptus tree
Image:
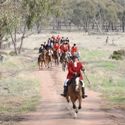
x: 23, y: 14
x: 3, y: 20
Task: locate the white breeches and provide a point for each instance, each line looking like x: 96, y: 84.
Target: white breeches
x: 77, y: 82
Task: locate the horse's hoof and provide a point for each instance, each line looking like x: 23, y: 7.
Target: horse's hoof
x: 75, y: 115
x: 80, y: 107
x: 76, y: 111
x: 74, y: 107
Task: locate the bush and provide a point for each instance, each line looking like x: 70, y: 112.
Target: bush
x: 118, y: 55
x: 12, y: 53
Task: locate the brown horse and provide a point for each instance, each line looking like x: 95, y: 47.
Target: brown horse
x: 48, y: 58
x: 64, y: 60
x: 41, y: 59
x: 75, y: 92
x: 56, y: 57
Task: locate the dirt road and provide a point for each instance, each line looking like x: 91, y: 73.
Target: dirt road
x: 55, y: 110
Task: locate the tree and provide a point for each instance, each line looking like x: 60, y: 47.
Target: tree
x: 24, y: 15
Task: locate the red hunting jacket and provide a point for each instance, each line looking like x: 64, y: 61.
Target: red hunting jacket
x: 64, y: 48
x: 73, y: 50
x: 72, y: 69
x: 56, y: 46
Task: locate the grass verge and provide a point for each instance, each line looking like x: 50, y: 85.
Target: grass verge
x: 19, y: 93
x: 106, y: 76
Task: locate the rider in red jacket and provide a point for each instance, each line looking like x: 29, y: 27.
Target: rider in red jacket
x: 74, y: 68
x: 74, y: 50
x: 56, y: 46
x: 64, y: 48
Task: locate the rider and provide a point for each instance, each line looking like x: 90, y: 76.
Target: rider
x: 64, y: 48
x: 41, y: 49
x: 74, y: 49
x: 68, y: 45
x: 49, y: 43
x: 56, y: 46
x: 74, y: 68
x: 58, y: 38
x: 45, y: 46
x: 62, y: 40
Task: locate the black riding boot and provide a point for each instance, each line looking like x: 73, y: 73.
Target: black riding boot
x: 83, y: 92
x: 65, y: 91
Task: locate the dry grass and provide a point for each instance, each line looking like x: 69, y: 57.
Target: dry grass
x: 19, y: 89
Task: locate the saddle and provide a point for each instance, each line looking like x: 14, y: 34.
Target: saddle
x: 72, y: 80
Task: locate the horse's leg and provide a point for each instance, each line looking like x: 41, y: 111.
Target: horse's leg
x: 80, y: 102
x: 74, y: 106
x: 67, y: 97
x: 51, y: 62
x: 63, y: 66
x: 58, y: 61
x: 73, y: 103
x: 47, y: 64
x: 39, y: 65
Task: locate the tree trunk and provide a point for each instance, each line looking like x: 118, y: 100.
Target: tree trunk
x: 1, y: 37
x: 38, y: 26
x: 0, y: 44
x: 98, y: 27
x: 123, y: 26
x: 13, y: 38
x: 22, y: 38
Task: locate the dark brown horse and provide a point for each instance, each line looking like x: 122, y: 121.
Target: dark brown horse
x: 64, y: 60
x: 56, y: 57
x: 75, y: 92
x: 48, y: 58
x: 41, y: 60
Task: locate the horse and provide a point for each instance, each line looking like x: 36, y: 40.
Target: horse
x: 48, y: 58
x: 56, y: 57
x: 75, y: 92
x: 41, y: 60
x: 64, y: 60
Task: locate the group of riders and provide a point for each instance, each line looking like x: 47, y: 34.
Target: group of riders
x: 68, y: 54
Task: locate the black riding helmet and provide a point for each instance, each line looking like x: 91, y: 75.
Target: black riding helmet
x: 74, y: 44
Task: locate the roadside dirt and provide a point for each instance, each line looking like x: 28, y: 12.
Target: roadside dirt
x: 54, y: 109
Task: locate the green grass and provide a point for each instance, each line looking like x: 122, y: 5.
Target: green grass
x: 107, y: 65
x: 112, y: 89
x: 89, y: 55
x: 106, y: 76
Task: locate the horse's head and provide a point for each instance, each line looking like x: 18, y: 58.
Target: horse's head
x: 76, y: 82
x: 63, y: 58
x: 49, y: 52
